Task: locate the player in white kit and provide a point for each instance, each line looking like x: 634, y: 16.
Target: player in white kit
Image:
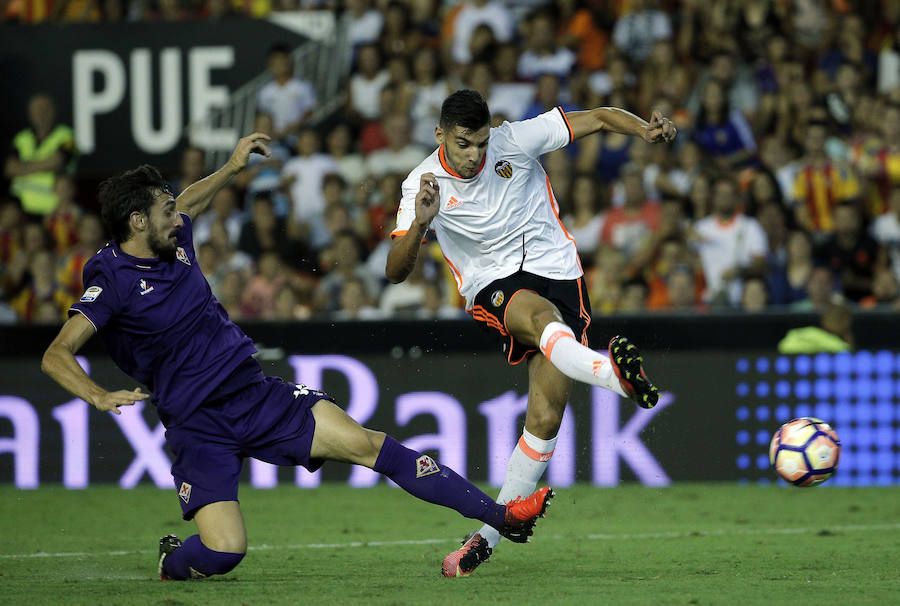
x: 489, y: 201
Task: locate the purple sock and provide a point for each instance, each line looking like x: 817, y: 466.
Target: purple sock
x: 422, y: 477
x: 194, y: 560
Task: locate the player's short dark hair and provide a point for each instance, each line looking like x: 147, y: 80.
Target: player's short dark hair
x: 133, y: 190
x: 466, y: 108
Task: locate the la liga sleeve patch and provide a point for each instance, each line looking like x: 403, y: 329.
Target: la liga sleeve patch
x: 91, y: 294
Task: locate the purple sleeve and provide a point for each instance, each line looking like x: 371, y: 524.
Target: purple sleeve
x: 100, y: 301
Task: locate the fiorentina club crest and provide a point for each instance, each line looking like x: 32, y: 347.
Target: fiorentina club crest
x: 182, y: 256
x: 185, y: 492
x: 425, y: 466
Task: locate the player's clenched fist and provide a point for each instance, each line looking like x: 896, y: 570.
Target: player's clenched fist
x: 257, y: 142
x: 428, y: 200
x: 111, y: 400
x: 660, y: 129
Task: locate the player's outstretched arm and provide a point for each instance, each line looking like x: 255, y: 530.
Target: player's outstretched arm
x: 194, y: 200
x: 60, y: 364
x: 405, y: 248
x: 612, y: 119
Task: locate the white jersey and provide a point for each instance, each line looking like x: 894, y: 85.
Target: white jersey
x: 506, y: 217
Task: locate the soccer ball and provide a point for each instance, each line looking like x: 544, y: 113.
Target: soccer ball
x: 805, y: 451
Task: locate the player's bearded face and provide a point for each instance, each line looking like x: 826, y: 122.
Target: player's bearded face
x: 162, y: 237
x: 464, y: 149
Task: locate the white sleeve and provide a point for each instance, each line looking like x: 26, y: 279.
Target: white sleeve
x: 406, y: 214
x: 541, y: 134
x: 757, y: 244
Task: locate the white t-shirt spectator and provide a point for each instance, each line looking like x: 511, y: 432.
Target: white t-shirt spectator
x: 309, y: 173
x: 886, y: 231
x: 636, y: 33
x: 203, y: 225
x: 366, y: 28
x: 426, y: 112
x: 587, y: 237
x: 286, y: 104
x: 386, y: 161
x: 728, y: 245
x: 495, y: 15
x: 532, y: 65
x: 367, y: 93
x: 511, y: 99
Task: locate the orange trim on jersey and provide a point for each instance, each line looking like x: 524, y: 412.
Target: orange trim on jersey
x: 453, y: 172
x: 531, y: 453
x: 480, y: 314
x: 513, y: 296
x: 555, y: 208
x: 568, y: 125
x: 584, y: 314
x: 398, y: 233
x: 456, y: 274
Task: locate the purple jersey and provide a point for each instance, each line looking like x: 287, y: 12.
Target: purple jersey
x: 162, y: 325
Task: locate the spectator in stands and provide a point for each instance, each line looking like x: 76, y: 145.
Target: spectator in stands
x: 605, y: 154
x: 885, y: 291
x: 878, y: 161
x: 223, y: 209
x: 889, y: 63
x: 263, y: 175
x: 42, y: 287
x: 722, y: 133
x: 342, y: 262
x: 355, y: 302
x: 732, y: 246
x: 508, y: 94
x: 305, y: 173
x: 634, y: 297
x: 776, y: 157
x: 462, y: 20
x: 628, y: 227
x: 366, y: 22
x: 401, y: 155
x: 365, y: 86
x: 682, y: 290
x: 585, y: 223
x: 763, y: 192
x: 605, y: 278
x: 886, y: 230
x: 230, y: 293
x: 89, y: 240
x: 264, y: 232
x: 754, y: 296
x: 62, y: 222
x: 350, y: 165
x: 433, y: 305
x: 193, y: 168
x: 662, y: 77
x: 258, y: 300
x: 290, y: 306
x: 543, y: 53
x: 404, y: 298
x: 373, y: 134
x: 821, y: 184
x: 227, y: 258
x: 37, y: 155
x: 34, y: 240
x: 736, y: 84
x: 637, y: 30
x: 12, y: 220
x: 850, y: 253
x: 397, y: 36
x: 547, y: 96
x: 584, y: 30
x: 286, y: 98
x: 431, y: 90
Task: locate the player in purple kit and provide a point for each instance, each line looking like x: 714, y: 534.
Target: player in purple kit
x: 153, y: 308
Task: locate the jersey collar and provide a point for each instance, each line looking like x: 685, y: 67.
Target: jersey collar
x: 447, y: 168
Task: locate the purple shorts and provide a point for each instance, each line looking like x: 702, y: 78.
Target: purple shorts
x: 269, y: 420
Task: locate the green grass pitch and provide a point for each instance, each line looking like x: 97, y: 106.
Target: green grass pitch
x: 686, y: 544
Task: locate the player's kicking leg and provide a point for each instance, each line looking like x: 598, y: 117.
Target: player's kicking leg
x: 535, y: 321
x: 340, y: 438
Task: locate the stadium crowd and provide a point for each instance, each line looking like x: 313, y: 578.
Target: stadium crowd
x: 781, y: 190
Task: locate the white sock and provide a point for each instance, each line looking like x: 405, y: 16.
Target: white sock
x: 526, y: 465
x: 559, y: 345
